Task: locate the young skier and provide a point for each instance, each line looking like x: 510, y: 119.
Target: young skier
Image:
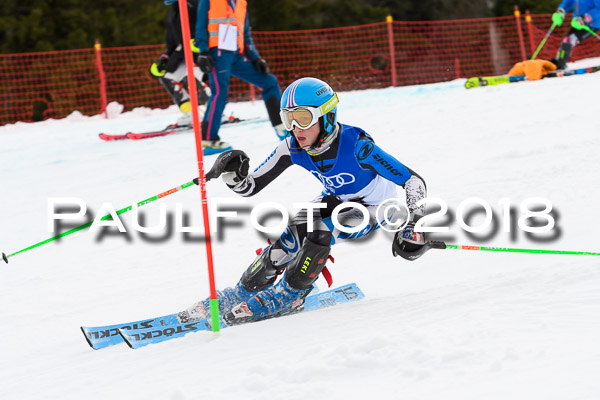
x: 350, y: 166
x: 586, y: 16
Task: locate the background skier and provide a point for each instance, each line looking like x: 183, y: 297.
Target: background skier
x: 586, y: 17
x: 170, y: 68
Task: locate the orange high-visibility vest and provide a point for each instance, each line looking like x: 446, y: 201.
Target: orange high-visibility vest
x: 221, y: 13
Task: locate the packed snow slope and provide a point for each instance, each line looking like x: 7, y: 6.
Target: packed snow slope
x: 451, y: 325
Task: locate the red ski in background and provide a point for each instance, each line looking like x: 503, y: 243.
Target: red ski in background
x: 171, y: 129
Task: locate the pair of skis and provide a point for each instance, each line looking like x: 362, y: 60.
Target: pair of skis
x: 501, y: 79
x: 171, y: 129
x: 155, y: 330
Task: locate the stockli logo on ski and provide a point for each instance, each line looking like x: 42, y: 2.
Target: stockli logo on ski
x: 169, y: 327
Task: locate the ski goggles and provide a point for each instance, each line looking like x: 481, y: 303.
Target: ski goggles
x: 304, y: 117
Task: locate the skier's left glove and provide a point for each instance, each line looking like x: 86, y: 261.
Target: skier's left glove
x: 232, y: 165
x: 409, y: 244
x: 158, y: 68
x: 261, y: 66
x: 583, y: 22
x: 205, y: 62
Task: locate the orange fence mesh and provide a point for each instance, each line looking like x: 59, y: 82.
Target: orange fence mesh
x: 38, y: 86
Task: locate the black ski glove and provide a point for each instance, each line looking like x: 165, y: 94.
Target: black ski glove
x: 261, y: 66
x: 205, y: 62
x: 232, y: 164
x: 411, y: 245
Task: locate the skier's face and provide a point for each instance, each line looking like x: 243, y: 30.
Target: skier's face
x: 307, y: 137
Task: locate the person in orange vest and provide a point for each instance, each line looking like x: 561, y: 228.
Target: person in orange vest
x: 226, y: 48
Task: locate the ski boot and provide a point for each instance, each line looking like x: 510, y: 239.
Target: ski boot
x: 228, y: 298
x: 286, y: 296
x: 258, y: 276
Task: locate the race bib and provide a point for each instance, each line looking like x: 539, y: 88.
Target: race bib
x: 228, y: 37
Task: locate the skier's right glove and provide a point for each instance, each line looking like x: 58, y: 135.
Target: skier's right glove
x: 558, y: 17
x: 158, y: 68
x: 205, y: 62
x: 232, y: 165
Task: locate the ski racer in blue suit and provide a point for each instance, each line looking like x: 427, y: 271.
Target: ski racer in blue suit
x: 351, y: 167
x: 215, y: 19
x: 586, y: 18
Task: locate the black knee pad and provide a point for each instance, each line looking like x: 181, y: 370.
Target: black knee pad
x: 261, y: 273
x: 322, y: 238
x: 307, y: 266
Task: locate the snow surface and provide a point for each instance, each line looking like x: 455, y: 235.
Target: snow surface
x: 452, y: 325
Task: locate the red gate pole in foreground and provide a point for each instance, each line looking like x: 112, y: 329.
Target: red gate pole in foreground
x: 520, y: 32
x: 390, y: 30
x: 189, y: 63
x: 103, y: 102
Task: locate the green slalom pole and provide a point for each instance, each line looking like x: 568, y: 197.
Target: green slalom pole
x: 513, y: 250
x: 5, y: 257
x: 543, y: 42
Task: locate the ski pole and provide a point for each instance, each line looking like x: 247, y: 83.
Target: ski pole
x: 513, y: 250
x: 543, y: 42
x: 590, y: 30
x: 88, y: 224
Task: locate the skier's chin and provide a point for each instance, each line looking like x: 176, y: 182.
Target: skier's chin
x: 305, y: 145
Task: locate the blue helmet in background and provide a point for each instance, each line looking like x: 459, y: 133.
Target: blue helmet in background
x: 169, y: 2
x: 313, y: 92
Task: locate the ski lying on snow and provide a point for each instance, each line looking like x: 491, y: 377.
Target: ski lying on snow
x: 136, y: 338
x: 501, y: 79
x: 171, y: 129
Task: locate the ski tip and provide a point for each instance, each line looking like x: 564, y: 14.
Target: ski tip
x: 472, y: 82
x: 5, y: 258
x: 126, y: 338
x: 87, y: 339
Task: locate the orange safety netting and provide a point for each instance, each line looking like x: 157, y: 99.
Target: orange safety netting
x: 38, y: 86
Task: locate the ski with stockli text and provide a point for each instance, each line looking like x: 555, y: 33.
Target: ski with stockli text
x: 174, y: 128
x: 136, y: 338
x: 501, y: 79
x: 99, y: 337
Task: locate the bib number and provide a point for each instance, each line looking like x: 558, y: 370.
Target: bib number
x: 228, y: 37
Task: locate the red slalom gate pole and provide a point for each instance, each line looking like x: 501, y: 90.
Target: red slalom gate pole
x: 520, y: 32
x: 529, y: 31
x: 189, y: 63
x: 390, y: 31
x: 102, y: 77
